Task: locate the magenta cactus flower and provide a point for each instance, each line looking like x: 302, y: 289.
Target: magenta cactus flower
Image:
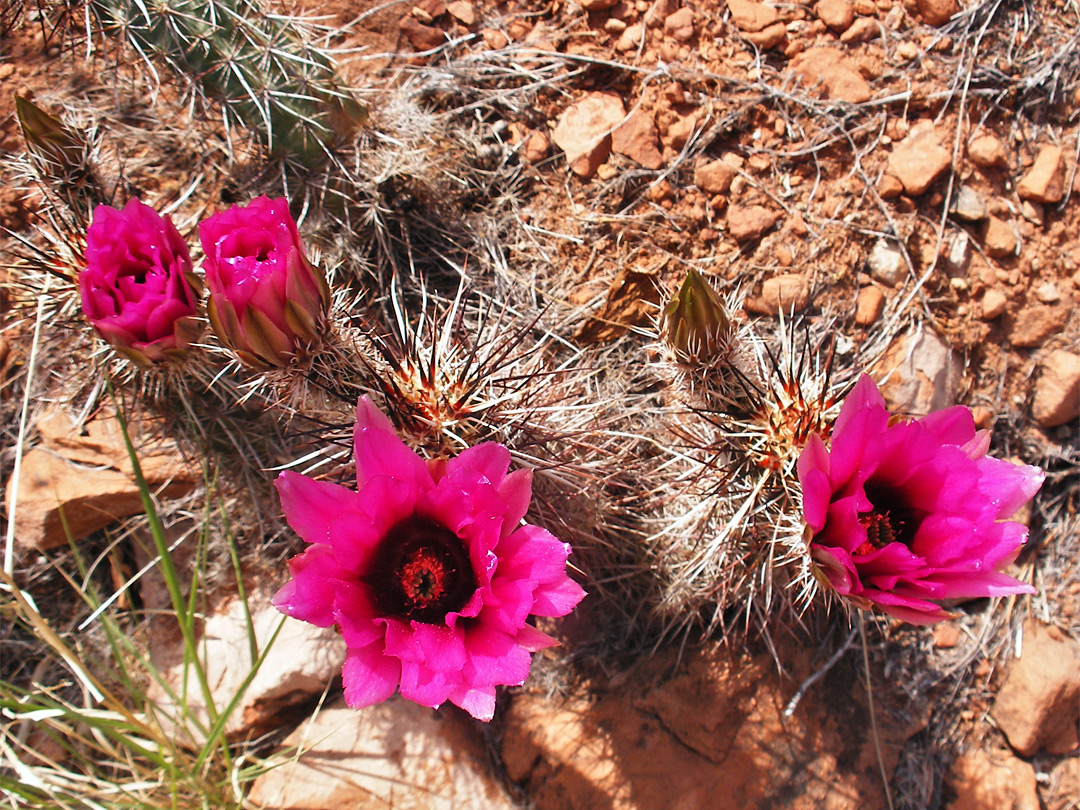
x: 426, y: 570
x: 137, y: 288
x: 906, y: 514
x: 267, y: 302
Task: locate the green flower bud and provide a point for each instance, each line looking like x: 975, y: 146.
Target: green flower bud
x: 695, y: 322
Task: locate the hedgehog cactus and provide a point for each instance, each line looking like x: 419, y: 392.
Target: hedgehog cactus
x: 257, y: 66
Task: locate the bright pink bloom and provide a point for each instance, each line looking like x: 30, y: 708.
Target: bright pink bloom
x: 136, y: 288
x: 907, y: 514
x: 266, y: 300
x: 427, y: 570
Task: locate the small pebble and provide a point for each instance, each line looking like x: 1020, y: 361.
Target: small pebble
x: 993, y: 304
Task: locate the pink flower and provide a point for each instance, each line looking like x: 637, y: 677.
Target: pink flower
x: 426, y: 570
x: 909, y: 513
x: 136, y: 289
x: 266, y: 300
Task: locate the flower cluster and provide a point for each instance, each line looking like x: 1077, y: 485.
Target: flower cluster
x: 267, y: 302
x: 907, y: 514
x: 426, y: 570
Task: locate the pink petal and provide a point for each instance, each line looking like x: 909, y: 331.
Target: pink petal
x: 494, y: 658
x: 813, y: 468
x: 460, y: 501
x: 356, y: 615
x: 913, y: 611
x: 438, y: 647
x: 1004, y: 542
x: 486, y: 463
x: 838, y: 568
x: 369, y: 677
x: 842, y: 526
x: 944, y: 539
x: 953, y: 425
x: 425, y: 686
x: 387, y: 501
x: 480, y: 703
x: 379, y: 451
x: 516, y: 491
x: 533, y: 640
x: 354, y: 539
x: 890, y: 559
x: 864, y: 395
x: 533, y: 553
x: 557, y: 599
x: 1008, y: 486
x: 309, y: 595
x: 853, y: 458
x: 508, y: 603
x: 963, y: 585
x: 310, y: 505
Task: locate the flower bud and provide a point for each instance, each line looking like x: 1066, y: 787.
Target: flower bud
x: 48, y: 139
x: 267, y: 302
x: 695, y: 321
x: 138, y: 290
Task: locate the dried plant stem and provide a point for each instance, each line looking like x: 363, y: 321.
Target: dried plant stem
x: 805, y: 685
x: 9, y: 540
x: 873, y: 718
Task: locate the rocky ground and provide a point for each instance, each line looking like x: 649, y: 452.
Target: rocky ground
x: 879, y: 163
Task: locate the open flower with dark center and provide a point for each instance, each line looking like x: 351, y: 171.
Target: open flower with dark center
x: 905, y: 514
x: 426, y: 569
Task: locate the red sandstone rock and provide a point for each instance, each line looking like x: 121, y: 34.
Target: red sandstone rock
x: 706, y: 737
x: 993, y: 304
x: 746, y: 222
x: 638, y: 139
x: 680, y: 24
x: 985, y: 780
x: 462, y: 11
x: 584, y: 131
x: 769, y: 37
x: 85, y: 477
x: 837, y: 14
x: 714, y: 177
x: 863, y: 29
x: 537, y: 146
x: 889, y: 187
x: 420, y: 36
x: 919, y: 159
x: 869, y: 305
x: 1000, y: 238
x: 1039, y: 704
x: 298, y: 666
x: 394, y: 754
x: 986, y: 152
x: 937, y: 12
x: 1045, y: 180
x: 1033, y: 324
x: 787, y: 293
x: 924, y: 373
x: 1057, y: 391
x: 838, y: 76
x: 751, y: 16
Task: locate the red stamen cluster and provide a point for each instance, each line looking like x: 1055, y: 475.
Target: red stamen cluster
x: 423, y: 578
